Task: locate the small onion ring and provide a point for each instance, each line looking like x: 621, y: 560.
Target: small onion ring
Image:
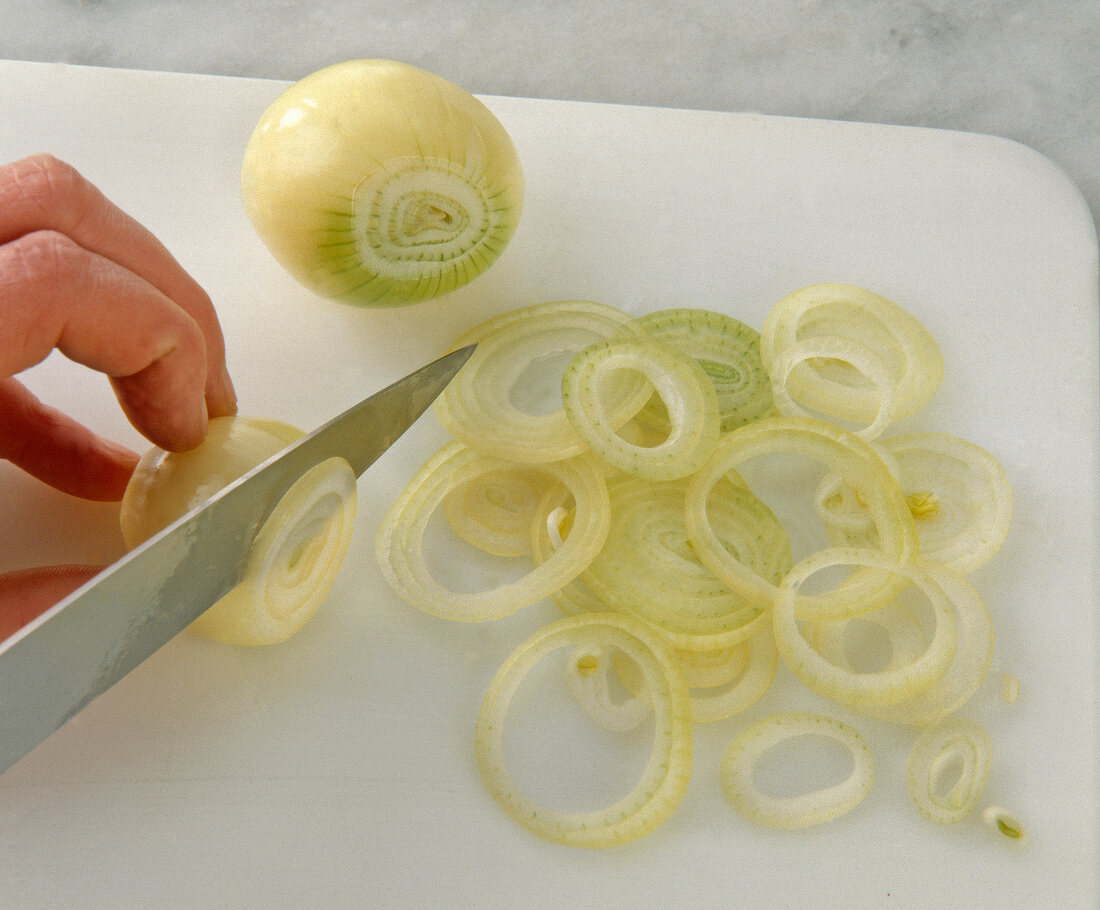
x: 665, y: 778
x: 400, y: 539
x: 744, y: 752
x: 846, y: 350
x: 679, y: 380
x: 848, y: 687
x: 729, y: 352
x: 954, y: 741
x: 972, y: 495
x: 900, y: 342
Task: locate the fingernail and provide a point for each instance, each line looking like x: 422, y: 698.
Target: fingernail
x: 118, y: 451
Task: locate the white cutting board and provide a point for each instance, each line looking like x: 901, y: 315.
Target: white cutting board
x: 337, y: 770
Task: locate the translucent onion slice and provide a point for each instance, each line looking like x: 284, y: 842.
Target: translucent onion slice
x: 678, y: 380
x: 974, y: 640
x: 835, y: 385
x: 947, y: 769
x: 665, y: 778
x: 400, y: 541
x: 709, y: 669
x: 853, y: 459
x: 494, y: 511
x: 859, y: 356
x: 959, y: 494
x: 729, y: 353
x: 293, y: 562
x: 850, y: 687
x: 648, y: 569
x: 549, y: 529
x: 744, y: 753
x: 495, y: 403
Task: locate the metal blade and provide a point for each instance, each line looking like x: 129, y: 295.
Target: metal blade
x: 53, y: 667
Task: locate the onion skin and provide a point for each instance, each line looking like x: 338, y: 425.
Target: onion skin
x: 449, y: 182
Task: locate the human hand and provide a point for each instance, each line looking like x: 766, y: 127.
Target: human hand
x: 79, y: 275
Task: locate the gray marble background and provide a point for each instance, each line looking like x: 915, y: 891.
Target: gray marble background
x: 1025, y: 69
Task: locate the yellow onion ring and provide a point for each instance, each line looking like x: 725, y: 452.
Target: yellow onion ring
x: 478, y: 406
x: 679, y: 381
x: 648, y: 569
x: 844, y: 685
x: 293, y: 562
x: 745, y: 751
x: 853, y: 459
x: 400, y: 539
x: 665, y: 778
x: 956, y: 747
x: 895, y: 338
x: 966, y: 506
x: 729, y: 353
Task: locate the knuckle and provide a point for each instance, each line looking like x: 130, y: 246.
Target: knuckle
x: 44, y: 258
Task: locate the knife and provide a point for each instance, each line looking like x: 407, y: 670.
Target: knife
x: 53, y: 667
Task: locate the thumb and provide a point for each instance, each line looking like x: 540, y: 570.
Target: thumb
x: 26, y: 593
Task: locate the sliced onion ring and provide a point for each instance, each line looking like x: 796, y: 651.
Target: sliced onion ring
x: 844, y: 685
x: 678, y: 379
x: 478, y: 406
x: 970, y: 494
x: 665, y: 778
x: 729, y: 352
x: 292, y: 563
x: 905, y: 350
x: 853, y: 459
x: 400, y: 540
x: 957, y: 748
x: 741, y: 757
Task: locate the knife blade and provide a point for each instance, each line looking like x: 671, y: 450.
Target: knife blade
x: 53, y: 667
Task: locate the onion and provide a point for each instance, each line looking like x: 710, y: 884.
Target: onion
x: 1004, y: 823
x: 957, y: 751
x: 855, y: 460
x: 293, y: 562
x: 295, y: 556
x: 958, y: 493
x: 648, y: 569
x: 665, y: 778
x: 377, y: 183
x: 739, y: 764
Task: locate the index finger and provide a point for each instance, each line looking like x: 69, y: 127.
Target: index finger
x: 41, y: 193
